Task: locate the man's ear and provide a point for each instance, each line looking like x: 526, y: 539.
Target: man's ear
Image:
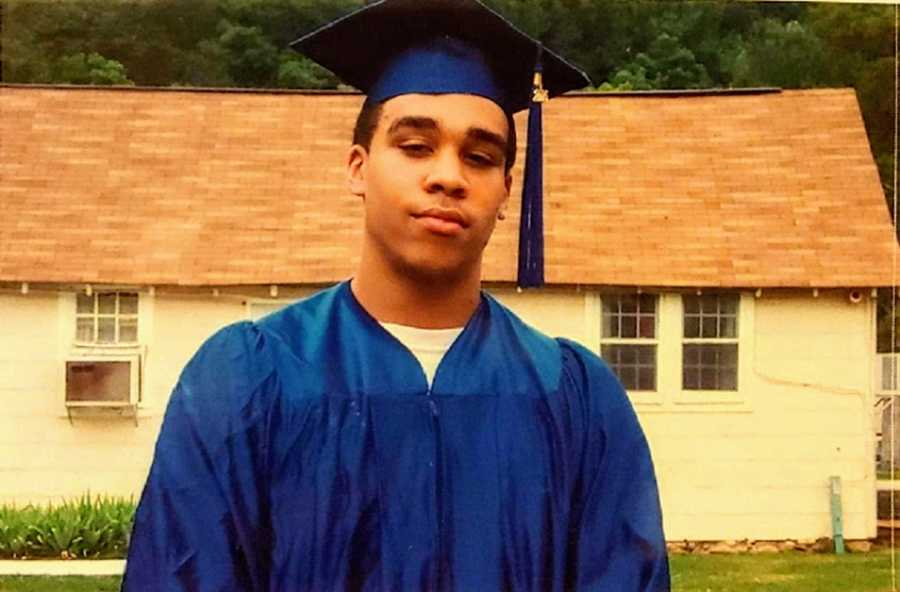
x: 357, y: 159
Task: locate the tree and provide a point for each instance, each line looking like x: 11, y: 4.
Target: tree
x: 89, y: 69
x: 787, y: 55
x: 666, y: 65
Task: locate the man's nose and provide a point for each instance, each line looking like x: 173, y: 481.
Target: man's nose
x: 446, y: 175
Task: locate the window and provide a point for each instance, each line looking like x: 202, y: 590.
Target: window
x: 710, y: 343
x: 106, y: 318
x: 628, y: 339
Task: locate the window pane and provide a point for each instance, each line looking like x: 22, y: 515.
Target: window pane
x: 691, y: 326
x: 84, y: 304
x: 691, y: 304
x: 647, y: 326
x: 629, y: 326
x: 708, y: 327
x: 84, y: 329
x: 728, y: 354
x: 629, y: 304
x: 691, y: 355
x: 717, y: 367
x: 648, y: 303
x: 127, y: 330
x: 728, y: 327
x: 107, y: 303
x: 635, y: 365
x: 646, y: 379
x: 610, y: 305
x: 709, y: 304
x: 610, y: 326
x: 106, y: 330
x: 128, y: 303
x: 690, y: 378
x: 728, y: 305
x: 728, y: 379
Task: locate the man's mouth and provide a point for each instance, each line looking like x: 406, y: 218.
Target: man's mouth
x: 442, y: 221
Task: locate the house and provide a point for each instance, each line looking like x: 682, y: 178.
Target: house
x: 719, y: 249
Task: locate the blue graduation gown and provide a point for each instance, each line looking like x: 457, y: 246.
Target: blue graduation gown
x: 307, y: 452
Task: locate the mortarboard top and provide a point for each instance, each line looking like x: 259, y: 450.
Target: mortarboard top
x: 394, y: 47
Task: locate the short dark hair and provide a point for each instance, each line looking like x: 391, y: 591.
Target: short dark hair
x: 367, y: 122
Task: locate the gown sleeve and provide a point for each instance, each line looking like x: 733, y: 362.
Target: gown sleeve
x: 201, y: 524
x: 616, y: 541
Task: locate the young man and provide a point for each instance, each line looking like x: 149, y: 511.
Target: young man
x: 404, y: 430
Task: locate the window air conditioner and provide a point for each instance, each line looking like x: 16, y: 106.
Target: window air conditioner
x: 103, y: 381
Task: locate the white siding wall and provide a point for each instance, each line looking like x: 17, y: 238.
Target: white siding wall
x: 44, y: 457
x: 752, y: 466
x: 756, y: 464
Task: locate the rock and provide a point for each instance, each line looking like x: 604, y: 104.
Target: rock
x: 765, y: 547
x: 677, y: 547
x: 723, y: 548
x: 858, y: 546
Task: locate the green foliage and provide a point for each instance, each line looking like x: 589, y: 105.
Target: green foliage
x: 90, y: 527
x: 666, y: 65
x: 89, y: 69
x: 787, y: 55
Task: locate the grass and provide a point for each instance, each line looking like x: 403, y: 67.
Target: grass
x: 787, y: 572
x: 69, y: 584
x: 783, y: 572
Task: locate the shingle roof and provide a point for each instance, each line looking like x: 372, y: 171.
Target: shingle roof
x: 222, y: 187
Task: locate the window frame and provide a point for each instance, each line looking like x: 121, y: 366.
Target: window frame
x: 634, y: 341
x: 670, y: 397
x: 716, y: 400
x: 117, y: 316
x: 735, y: 340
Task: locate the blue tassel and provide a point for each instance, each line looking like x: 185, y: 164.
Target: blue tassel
x: 531, y: 223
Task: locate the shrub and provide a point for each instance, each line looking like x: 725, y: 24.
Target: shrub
x: 89, y: 527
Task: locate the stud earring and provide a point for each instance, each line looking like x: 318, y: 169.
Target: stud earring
x: 501, y: 215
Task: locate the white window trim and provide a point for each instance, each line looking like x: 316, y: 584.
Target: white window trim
x: 653, y: 397
x: 115, y: 345
x: 738, y: 398
x: 669, y: 395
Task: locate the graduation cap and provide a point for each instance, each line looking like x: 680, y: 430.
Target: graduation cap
x: 394, y: 47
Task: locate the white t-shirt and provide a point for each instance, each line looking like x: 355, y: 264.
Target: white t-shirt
x: 427, y: 345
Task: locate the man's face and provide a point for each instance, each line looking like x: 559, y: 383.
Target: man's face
x: 433, y: 182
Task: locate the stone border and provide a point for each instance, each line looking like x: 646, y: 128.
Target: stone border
x: 734, y: 547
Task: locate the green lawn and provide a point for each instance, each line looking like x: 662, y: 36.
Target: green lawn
x: 72, y: 584
x: 788, y: 572
x: 785, y: 572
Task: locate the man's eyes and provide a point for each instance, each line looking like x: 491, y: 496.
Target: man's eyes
x: 415, y: 148
x: 476, y: 158
x: 482, y: 159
